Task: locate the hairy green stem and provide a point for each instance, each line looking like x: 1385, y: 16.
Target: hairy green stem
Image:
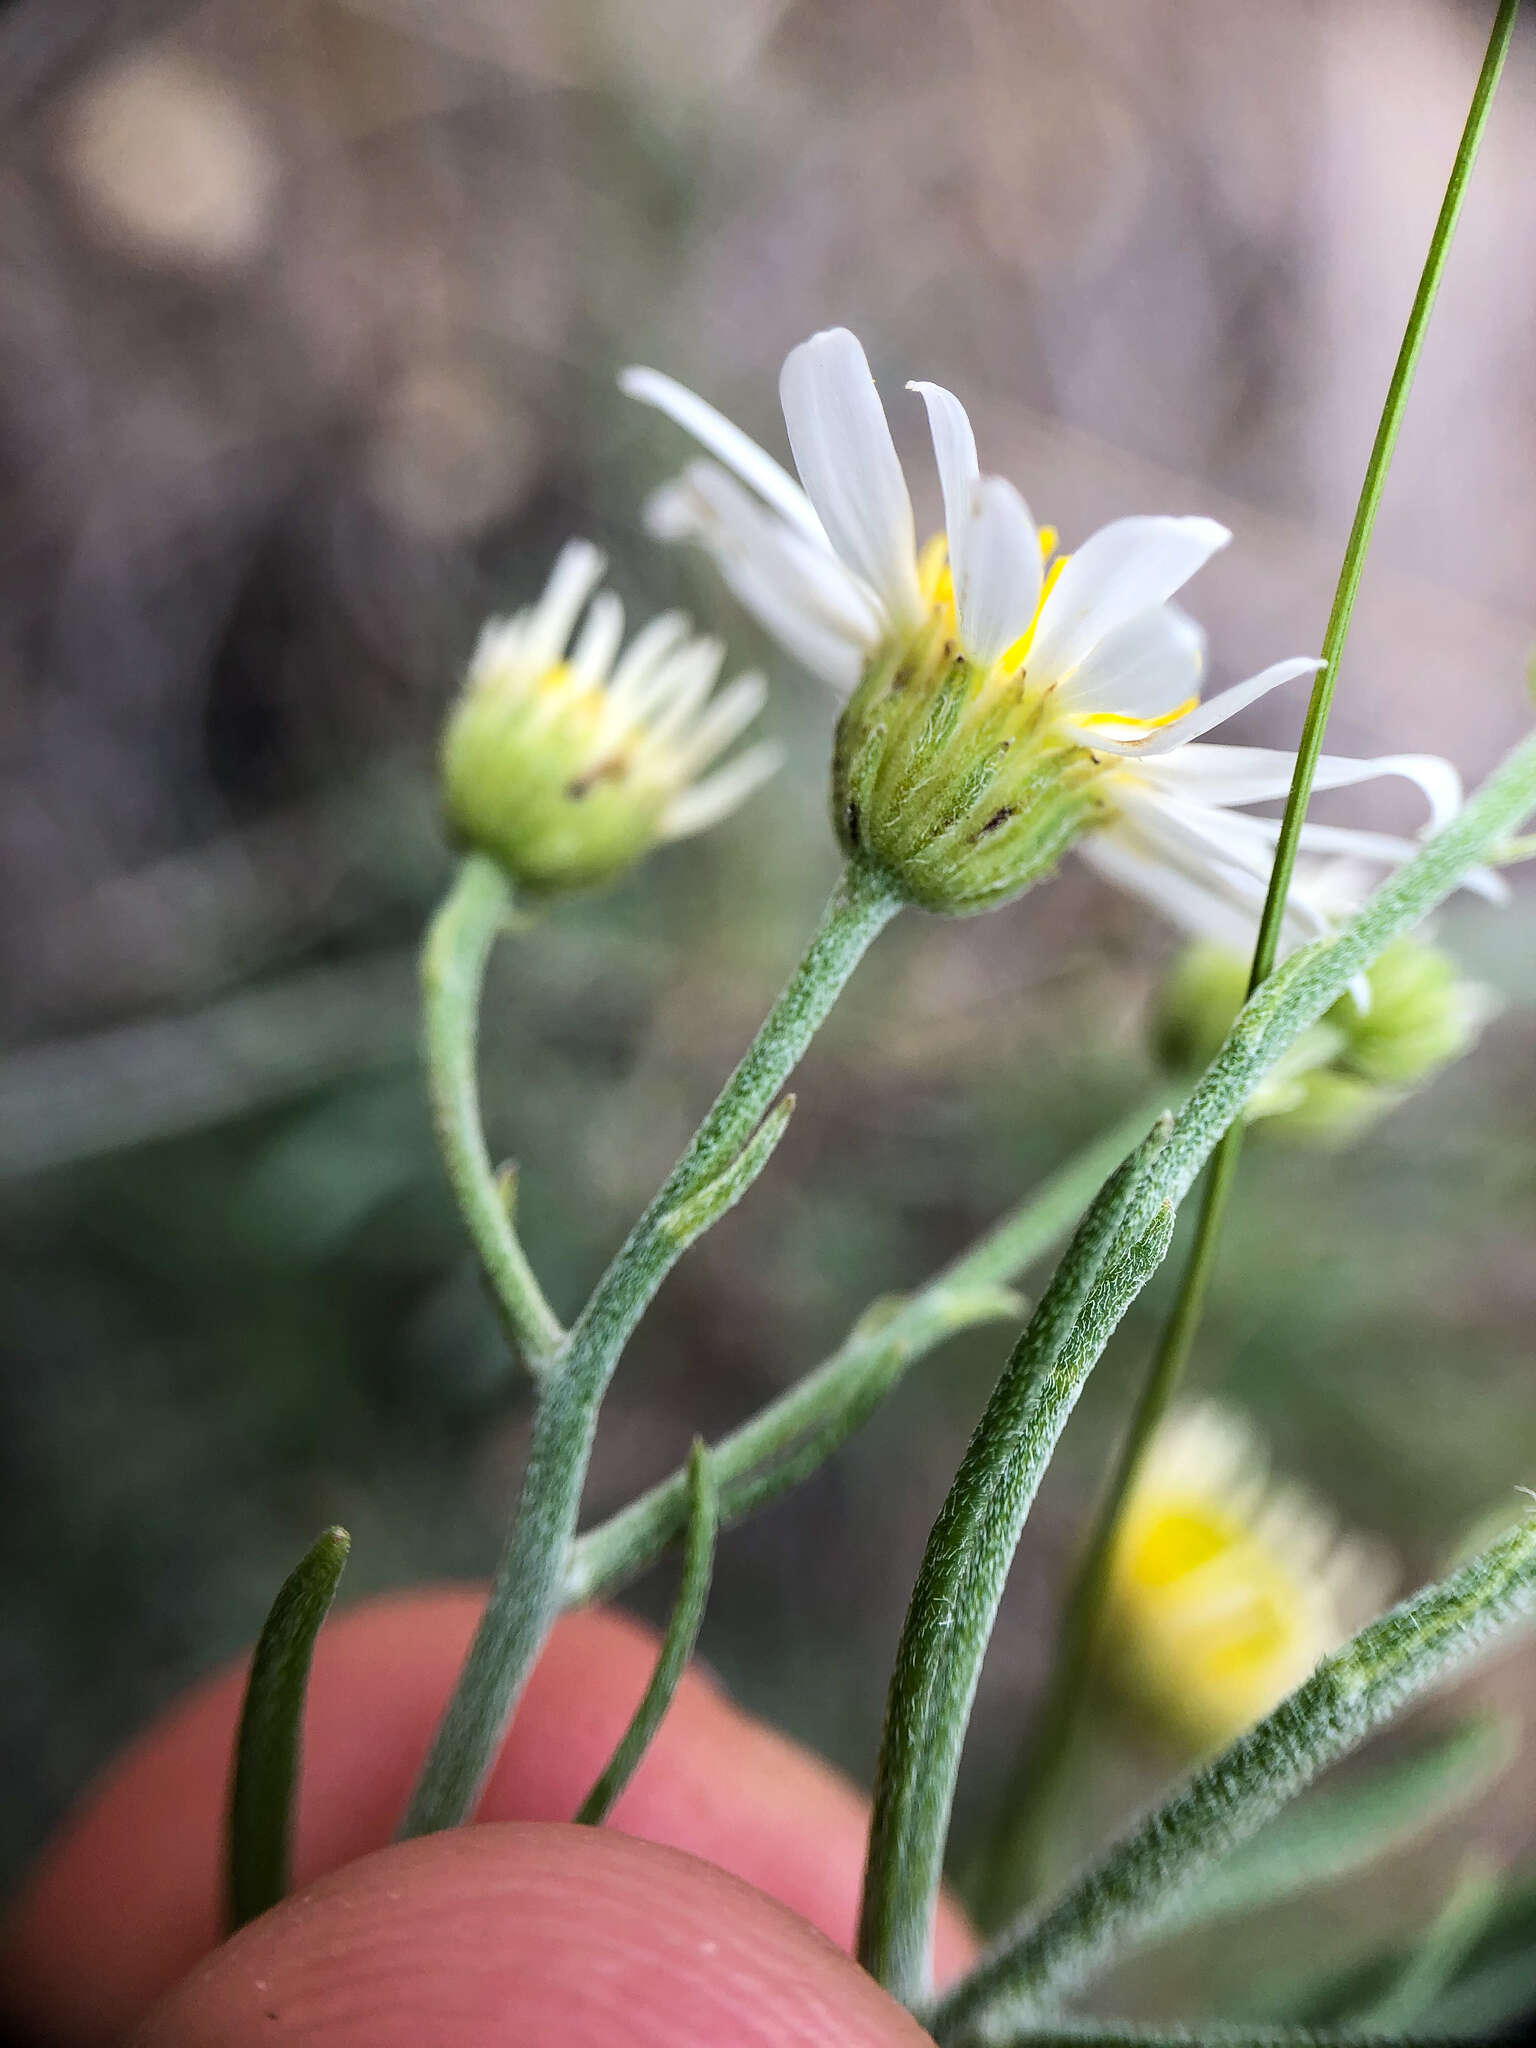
x: 730, y: 1147
x: 1139, y: 1883
x: 677, y: 1645
x: 779, y: 1446
x: 947, y: 1624
x: 476, y: 909
x: 965, y: 1566
x: 1014, y: 1859
x: 1011, y: 1870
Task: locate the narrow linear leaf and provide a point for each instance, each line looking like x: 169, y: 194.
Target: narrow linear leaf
x: 1091, y: 2033
x: 866, y: 1366
x: 677, y: 1645
x: 1492, y: 1987
x: 1446, y: 1945
x: 1333, y: 1834
x: 699, y: 1211
x: 266, y: 1766
x: 1137, y: 1885
x: 965, y: 1566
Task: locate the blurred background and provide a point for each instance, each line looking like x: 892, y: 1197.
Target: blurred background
x: 309, y: 326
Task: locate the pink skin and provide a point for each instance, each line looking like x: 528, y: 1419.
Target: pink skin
x: 125, y: 1901
x: 562, y: 1937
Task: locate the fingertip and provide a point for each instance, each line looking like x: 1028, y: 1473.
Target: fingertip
x: 128, y: 1896
x: 568, y: 1937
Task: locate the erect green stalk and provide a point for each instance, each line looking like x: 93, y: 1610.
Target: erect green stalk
x: 730, y: 1148
x: 965, y: 1566
x: 776, y: 1448
x: 1012, y: 1867
x: 264, y: 1784
x: 1028, y: 1806
x: 677, y: 1645
x: 477, y: 907
x: 1140, y: 1882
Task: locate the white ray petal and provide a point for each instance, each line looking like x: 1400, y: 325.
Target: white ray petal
x: 848, y: 464
x: 600, y: 638
x: 738, y: 451
x: 994, y: 545
x: 707, y: 802
x: 1217, y: 710
x: 709, y: 506
x: 657, y: 639
x: 1250, y: 775
x: 954, y: 449
x: 500, y: 644
x: 805, y: 598
x: 1125, y: 568
x: 1144, y: 668
x: 731, y: 713
x: 997, y: 573
x: 577, y: 572
x: 683, y: 687
x: 1192, y: 901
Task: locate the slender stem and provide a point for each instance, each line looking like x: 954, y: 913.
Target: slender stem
x: 259, y: 1824
x: 1140, y: 1882
x: 1014, y: 1868
x: 730, y: 1147
x: 965, y: 1566
x: 1029, y: 1804
x: 677, y: 1645
x: 475, y: 910
x: 1268, y: 945
x: 776, y: 1448
x: 955, y: 1602
x: 1447, y: 1942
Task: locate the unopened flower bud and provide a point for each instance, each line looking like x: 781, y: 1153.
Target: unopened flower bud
x: 1356, y: 1064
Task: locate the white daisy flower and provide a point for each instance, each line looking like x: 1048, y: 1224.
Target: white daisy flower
x: 1226, y: 1588
x: 1002, y: 705
x: 566, y: 762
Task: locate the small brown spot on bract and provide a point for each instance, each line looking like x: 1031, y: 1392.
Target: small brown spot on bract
x: 995, y: 823
x: 851, y: 822
x: 611, y: 770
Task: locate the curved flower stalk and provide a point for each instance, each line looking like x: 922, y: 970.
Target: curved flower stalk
x: 1005, y: 702
x: 1225, y: 1587
x: 567, y: 762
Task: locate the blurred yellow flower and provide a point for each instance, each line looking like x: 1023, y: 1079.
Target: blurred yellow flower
x: 1225, y: 1587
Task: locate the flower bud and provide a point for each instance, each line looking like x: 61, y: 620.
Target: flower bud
x: 1355, y: 1065
x: 566, y: 764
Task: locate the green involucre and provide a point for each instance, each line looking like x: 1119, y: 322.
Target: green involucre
x: 949, y: 781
